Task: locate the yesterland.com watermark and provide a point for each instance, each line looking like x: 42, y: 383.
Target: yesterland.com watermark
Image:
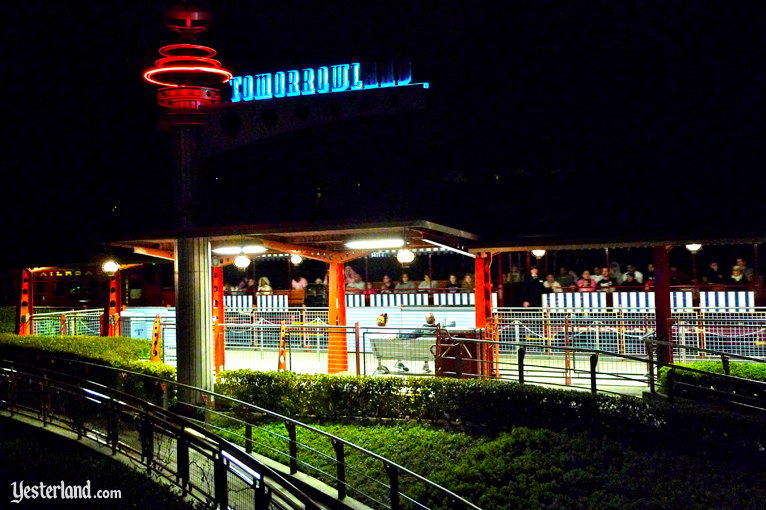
x: 22, y: 491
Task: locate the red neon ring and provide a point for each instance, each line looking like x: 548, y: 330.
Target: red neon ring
x: 151, y: 72
x: 168, y: 50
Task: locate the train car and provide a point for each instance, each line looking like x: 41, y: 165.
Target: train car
x: 87, y: 286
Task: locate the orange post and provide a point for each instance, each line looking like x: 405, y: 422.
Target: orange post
x: 483, y: 289
x: 24, y: 326
x: 282, y: 362
x: 219, y: 347
x: 155, y: 354
x: 111, y: 325
x: 337, y: 356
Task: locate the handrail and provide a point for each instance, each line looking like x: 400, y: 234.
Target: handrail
x: 186, y: 432
x: 392, y: 468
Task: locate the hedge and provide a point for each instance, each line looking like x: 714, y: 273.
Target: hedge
x: 492, y: 406
x: 705, y: 376
x: 56, y: 352
x: 7, y: 319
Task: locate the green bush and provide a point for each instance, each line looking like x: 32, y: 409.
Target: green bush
x: 64, y: 354
x: 711, y: 375
x: 7, y: 319
x: 490, y: 407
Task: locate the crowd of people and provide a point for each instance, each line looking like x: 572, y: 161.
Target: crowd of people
x: 355, y: 283
x: 532, y: 284
x: 607, y: 279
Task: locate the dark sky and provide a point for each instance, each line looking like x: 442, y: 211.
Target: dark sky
x: 577, y: 118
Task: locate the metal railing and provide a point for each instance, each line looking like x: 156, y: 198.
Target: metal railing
x: 191, y: 453
x: 599, y: 370
x: 68, y: 322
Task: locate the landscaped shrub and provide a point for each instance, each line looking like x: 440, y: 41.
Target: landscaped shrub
x: 68, y: 353
x: 492, y: 406
x: 711, y: 375
x: 7, y: 319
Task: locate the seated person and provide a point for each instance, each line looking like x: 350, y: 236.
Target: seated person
x: 357, y: 285
x: 388, y: 284
x: 453, y: 283
x: 405, y: 283
x: 631, y: 282
x: 427, y: 283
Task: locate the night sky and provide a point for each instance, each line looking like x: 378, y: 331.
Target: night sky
x: 579, y: 118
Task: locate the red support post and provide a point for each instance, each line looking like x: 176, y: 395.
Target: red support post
x: 337, y: 351
x: 111, y: 325
x: 219, y: 348
x: 26, y: 308
x: 662, y: 303
x: 483, y: 289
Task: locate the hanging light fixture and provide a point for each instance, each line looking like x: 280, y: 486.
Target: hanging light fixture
x: 405, y: 256
x: 242, y: 261
x: 110, y: 267
x: 538, y: 254
x: 296, y: 259
x: 694, y: 247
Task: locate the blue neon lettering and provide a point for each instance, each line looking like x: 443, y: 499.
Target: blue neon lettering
x: 307, y: 84
x: 387, y: 75
x: 279, y: 84
x: 340, y: 78
x: 356, y: 79
x: 370, y: 76
x: 323, y: 80
x: 263, y: 86
x: 236, y: 89
x: 404, y: 74
x: 247, y: 88
x: 293, y: 83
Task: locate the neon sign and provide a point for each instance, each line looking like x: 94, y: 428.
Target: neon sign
x: 320, y: 80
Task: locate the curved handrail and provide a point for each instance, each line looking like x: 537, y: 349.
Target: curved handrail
x: 392, y: 468
x: 186, y: 431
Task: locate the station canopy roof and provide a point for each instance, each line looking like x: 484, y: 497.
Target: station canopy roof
x: 317, y: 239
x: 586, y: 242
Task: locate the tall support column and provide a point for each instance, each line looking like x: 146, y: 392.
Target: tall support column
x: 337, y: 350
x: 483, y: 289
x: 662, y: 303
x: 219, y: 348
x: 26, y: 309
x: 194, y: 315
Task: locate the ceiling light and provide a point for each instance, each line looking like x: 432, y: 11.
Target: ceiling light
x: 405, y: 256
x: 251, y: 249
x: 296, y: 259
x: 538, y: 253
x: 228, y: 250
x: 694, y: 247
x: 242, y: 261
x: 372, y: 244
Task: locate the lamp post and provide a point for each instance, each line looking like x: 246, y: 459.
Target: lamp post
x: 188, y: 77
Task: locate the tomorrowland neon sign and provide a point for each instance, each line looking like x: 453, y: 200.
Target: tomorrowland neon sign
x: 320, y: 80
